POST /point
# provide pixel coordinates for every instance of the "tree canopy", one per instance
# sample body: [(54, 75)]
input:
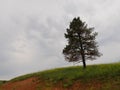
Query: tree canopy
[(81, 42)]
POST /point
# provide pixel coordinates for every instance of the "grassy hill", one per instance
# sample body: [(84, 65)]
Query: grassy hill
[(94, 77)]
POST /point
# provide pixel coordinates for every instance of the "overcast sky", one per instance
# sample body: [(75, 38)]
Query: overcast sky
[(32, 32)]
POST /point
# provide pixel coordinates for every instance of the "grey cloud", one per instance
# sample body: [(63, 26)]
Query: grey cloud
[(32, 32)]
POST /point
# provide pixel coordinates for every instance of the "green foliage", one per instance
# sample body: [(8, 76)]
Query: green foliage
[(81, 42)]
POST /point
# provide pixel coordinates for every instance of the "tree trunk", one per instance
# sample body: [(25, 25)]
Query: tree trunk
[(82, 51), (83, 60)]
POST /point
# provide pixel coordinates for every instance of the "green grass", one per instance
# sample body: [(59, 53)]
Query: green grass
[(69, 74), (2, 82), (106, 74)]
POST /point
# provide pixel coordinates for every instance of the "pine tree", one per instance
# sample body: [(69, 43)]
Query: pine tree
[(81, 43)]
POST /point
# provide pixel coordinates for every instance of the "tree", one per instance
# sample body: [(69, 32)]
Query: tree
[(81, 42)]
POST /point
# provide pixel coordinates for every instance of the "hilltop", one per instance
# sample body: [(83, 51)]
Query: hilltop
[(94, 77)]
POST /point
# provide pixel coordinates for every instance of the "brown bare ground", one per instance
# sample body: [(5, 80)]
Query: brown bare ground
[(35, 84), (30, 84)]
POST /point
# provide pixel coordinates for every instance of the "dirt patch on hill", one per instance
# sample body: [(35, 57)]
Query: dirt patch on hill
[(35, 84), (30, 84)]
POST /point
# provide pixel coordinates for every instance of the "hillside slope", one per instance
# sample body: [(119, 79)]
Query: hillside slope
[(94, 77)]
